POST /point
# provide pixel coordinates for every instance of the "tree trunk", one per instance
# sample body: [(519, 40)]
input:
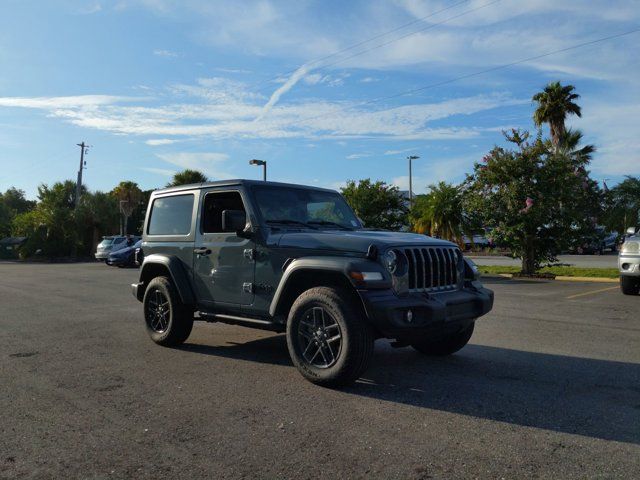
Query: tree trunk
[(529, 257)]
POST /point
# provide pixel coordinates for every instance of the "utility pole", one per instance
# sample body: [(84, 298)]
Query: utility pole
[(410, 158), (83, 149)]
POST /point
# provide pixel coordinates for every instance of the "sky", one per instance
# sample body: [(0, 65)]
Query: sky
[(324, 91)]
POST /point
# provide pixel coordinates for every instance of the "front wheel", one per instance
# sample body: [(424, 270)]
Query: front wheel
[(168, 320), (445, 346), (630, 285), (328, 338)]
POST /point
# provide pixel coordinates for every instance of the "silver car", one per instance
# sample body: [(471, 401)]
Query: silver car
[(629, 263), (111, 244)]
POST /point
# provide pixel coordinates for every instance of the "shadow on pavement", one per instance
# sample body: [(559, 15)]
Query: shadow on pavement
[(595, 398)]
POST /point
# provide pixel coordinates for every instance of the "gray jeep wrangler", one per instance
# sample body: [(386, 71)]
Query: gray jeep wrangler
[(296, 259)]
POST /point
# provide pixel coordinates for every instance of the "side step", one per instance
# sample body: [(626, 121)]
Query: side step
[(242, 321)]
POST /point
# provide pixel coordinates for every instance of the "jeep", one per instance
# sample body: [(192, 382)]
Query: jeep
[(296, 259), (629, 263)]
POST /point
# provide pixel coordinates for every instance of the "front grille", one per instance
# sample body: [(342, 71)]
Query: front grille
[(433, 268)]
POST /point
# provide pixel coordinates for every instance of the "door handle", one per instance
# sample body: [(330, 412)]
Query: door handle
[(202, 251)]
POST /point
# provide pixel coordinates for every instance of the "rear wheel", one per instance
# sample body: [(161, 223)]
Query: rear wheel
[(328, 338), (168, 320), (630, 285), (445, 346)]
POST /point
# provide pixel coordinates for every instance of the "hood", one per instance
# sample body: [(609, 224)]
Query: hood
[(354, 241)]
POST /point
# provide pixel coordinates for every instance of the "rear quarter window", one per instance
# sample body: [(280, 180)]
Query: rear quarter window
[(171, 215)]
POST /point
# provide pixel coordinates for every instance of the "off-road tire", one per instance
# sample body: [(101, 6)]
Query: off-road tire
[(179, 317), (445, 346), (630, 285), (357, 339)]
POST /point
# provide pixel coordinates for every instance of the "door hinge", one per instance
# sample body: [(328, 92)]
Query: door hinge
[(249, 254), (247, 287)]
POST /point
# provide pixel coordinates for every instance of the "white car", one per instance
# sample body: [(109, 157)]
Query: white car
[(112, 244), (629, 263)]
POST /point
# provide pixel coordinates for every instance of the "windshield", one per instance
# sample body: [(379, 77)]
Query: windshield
[(304, 207), (105, 242)]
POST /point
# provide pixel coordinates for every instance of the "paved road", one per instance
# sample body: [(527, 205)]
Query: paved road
[(548, 388), (609, 260)]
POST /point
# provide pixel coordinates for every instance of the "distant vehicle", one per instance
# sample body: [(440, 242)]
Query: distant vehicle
[(476, 241), (597, 243), (629, 263), (125, 257), (112, 244)]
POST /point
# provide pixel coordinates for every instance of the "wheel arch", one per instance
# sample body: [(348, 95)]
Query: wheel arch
[(305, 273), (168, 266)]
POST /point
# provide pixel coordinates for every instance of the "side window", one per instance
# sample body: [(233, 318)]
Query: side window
[(213, 206), (171, 215)]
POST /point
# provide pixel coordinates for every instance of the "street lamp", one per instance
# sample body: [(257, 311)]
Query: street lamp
[(410, 158), (264, 167)]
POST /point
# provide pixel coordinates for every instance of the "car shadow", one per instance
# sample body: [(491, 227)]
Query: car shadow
[(582, 396)]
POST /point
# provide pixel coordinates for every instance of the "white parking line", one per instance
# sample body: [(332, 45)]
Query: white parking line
[(592, 291)]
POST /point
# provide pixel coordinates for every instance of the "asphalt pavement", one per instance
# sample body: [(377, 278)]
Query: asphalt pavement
[(549, 387), (608, 260)]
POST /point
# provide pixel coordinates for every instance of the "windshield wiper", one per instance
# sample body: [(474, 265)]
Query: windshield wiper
[(287, 221), (333, 224)]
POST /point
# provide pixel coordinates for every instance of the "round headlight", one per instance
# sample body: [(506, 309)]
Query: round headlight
[(631, 247), (391, 261)]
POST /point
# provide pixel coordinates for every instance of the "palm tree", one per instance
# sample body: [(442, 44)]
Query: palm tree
[(440, 212), (187, 177), (555, 102), (129, 196), (569, 144)]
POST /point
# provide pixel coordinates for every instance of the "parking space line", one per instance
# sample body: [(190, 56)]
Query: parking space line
[(592, 291)]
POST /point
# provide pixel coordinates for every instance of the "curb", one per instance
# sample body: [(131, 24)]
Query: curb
[(559, 278)]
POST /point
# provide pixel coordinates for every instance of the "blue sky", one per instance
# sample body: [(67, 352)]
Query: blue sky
[(156, 86)]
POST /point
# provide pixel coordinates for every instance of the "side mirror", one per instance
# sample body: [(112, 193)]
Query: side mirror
[(631, 230), (233, 221)]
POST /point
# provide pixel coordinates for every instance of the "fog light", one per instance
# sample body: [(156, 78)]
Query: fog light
[(625, 266), (409, 316)]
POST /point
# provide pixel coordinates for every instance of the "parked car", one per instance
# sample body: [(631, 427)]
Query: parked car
[(125, 257), (112, 244), (296, 259), (476, 241), (597, 243), (629, 263)]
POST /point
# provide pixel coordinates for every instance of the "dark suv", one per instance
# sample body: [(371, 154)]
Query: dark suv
[(296, 259)]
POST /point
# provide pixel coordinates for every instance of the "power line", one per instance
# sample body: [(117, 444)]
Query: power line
[(470, 75), (428, 27), (370, 39)]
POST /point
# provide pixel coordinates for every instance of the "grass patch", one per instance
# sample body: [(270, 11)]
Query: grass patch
[(559, 271)]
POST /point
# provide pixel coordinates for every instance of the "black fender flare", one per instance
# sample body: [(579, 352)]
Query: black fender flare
[(341, 265), (176, 270)]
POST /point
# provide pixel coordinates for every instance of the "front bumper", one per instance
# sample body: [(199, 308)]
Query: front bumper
[(629, 265), (432, 314), (102, 255)]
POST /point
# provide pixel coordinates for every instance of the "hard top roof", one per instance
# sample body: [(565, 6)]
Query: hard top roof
[(236, 182)]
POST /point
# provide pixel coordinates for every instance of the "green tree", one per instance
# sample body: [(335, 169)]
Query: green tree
[(186, 177), (377, 204), (12, 202), (129, 196), (99, 215), (555, 103), (538, 200), (622, 205), (52, 226), (440, 212)]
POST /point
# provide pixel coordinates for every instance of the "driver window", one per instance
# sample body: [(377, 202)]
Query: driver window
[(213, 206)]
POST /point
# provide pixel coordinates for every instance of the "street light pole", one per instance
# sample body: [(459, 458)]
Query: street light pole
[(255, 161), (410, 158)]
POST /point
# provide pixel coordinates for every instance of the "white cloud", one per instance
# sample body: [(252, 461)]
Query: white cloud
[(165, 53), (48, 103), (159, 171), (160, 141), (399, 152), (354, 156), (210, 163)]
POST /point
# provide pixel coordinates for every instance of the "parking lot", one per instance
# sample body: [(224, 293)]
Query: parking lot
[(548, 388)]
